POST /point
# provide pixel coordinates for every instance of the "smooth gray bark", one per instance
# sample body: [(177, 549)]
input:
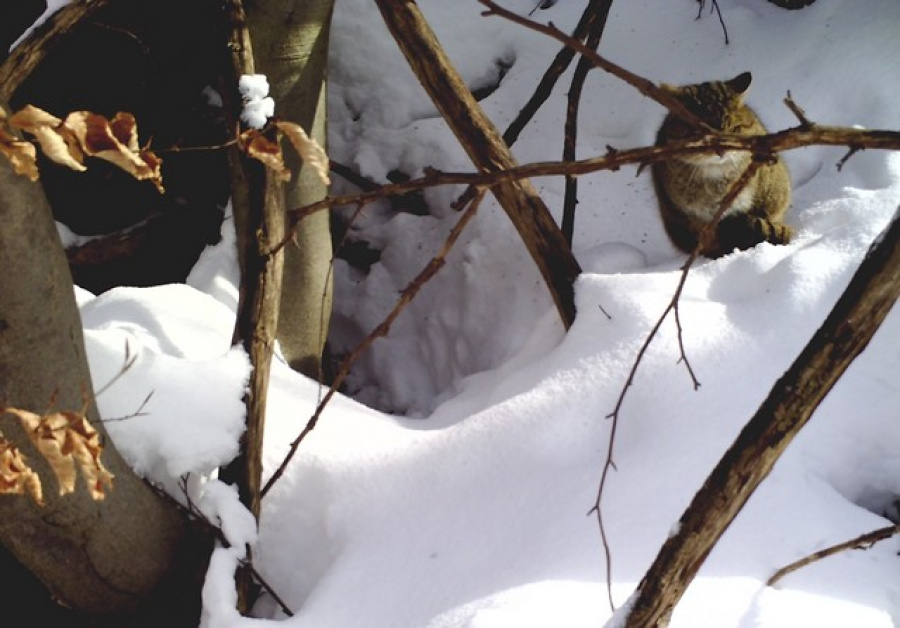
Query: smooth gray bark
[(97, 557), (290, 46)]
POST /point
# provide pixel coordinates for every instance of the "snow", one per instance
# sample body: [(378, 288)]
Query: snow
[(258, 106), (454, 490), (52, 7)]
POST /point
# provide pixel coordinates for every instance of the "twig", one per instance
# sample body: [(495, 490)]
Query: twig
[(644, 86), (798, 112), (843, 160), (863, 541), (406, 297), (600, 9), (551, 75), (714, 8), (135, 414), (672, 306), (190, 510)]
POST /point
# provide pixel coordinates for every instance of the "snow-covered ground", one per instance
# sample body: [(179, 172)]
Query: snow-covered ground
[(468, 506)]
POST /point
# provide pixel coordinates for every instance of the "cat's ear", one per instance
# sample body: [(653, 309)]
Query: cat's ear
[(740, 83)]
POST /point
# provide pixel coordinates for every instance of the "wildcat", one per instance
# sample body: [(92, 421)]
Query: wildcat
[(690, 187)]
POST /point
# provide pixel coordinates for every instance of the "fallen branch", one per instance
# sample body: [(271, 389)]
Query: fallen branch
[(856, 316), (863, 541)]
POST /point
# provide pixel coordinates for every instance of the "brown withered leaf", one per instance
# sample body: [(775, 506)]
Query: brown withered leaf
[(22, 155), (261, 148), (308, 149), (115, 142), (16, 477), (67, 440), (56, 140)]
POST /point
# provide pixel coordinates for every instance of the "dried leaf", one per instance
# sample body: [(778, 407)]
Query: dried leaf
[(124, 129), (67, 440), (308, 149), (55, 138), (22, 155), (16, 477), (261, 148), (115, 142)]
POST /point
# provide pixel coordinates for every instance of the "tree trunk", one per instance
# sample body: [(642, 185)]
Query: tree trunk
[(290, 46), (99, 558)]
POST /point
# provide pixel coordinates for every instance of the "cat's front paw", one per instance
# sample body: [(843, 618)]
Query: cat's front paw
[(743, 231)]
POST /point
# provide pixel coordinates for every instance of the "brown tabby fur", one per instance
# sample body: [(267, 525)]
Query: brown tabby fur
[(691, 187)]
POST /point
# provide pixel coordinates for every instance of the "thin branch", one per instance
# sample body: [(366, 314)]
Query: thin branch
[(863, 541), (551, 75), (714, 9), (644, 86), (788, 139), (193, 513), (798, 112), (600, 9), (672, 306), (382, 330)]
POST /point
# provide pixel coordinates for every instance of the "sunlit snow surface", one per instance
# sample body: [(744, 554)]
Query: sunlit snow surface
[(474, 514)]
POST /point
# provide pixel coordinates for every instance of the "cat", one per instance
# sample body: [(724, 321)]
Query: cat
[(691, 187)]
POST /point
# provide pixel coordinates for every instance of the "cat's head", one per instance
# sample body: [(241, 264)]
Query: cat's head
[(718, 103)]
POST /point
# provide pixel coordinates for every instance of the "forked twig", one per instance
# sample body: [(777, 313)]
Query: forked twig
[(644, 86), (672, 307)]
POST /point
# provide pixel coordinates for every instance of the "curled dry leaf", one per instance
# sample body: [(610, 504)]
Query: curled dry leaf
[(67, 440), (22, 155), (308, 148), (116, 142), (261, 148), (56, 140), (16, 477)]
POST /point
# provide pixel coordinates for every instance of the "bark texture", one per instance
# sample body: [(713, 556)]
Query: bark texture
[(487, 150), (290, 46), (104, 558)]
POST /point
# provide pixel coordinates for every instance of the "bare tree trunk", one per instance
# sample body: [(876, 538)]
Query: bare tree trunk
[(106, 558), (844, 335), (290, 46)]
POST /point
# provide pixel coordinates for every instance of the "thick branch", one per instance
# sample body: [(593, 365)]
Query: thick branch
[(487, 150), (844, 335), (30, 53)]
